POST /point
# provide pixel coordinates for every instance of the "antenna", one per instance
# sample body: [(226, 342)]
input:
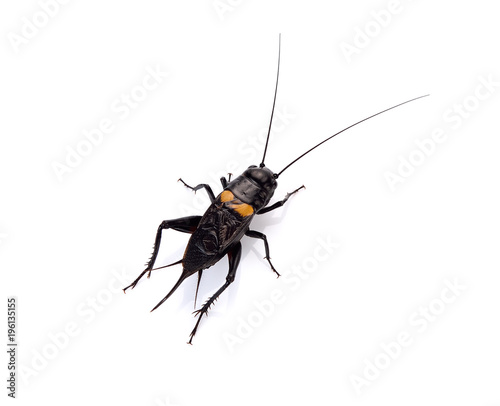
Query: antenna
[(352, 125), (274, 102)]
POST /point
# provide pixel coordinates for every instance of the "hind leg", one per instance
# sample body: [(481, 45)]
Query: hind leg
[(183, 224), (234, 259)]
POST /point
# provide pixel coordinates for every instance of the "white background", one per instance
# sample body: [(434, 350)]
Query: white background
[(62, 243)]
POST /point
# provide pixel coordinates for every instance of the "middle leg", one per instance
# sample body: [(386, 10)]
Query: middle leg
[(256, 234), (200, 186)]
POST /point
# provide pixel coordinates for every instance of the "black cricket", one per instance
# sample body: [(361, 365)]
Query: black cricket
[(218, 232)]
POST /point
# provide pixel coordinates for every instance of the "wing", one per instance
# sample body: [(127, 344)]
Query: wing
[(224, 222)]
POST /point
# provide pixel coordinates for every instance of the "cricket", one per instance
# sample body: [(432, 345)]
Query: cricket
[(218, 232)]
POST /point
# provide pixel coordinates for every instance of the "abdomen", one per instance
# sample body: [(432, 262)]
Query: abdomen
[(224, 223)]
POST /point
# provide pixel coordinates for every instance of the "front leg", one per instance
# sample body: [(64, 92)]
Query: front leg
[(225, 181), (280, 203)]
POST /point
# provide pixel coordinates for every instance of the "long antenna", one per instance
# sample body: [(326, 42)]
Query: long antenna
[(274, 102), (352, 125)]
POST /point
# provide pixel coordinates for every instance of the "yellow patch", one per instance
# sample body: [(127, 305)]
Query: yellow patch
[(243, 209), (226, 196)]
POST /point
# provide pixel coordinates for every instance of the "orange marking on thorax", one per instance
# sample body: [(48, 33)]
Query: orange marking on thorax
[(226, 196), (243, 209)]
